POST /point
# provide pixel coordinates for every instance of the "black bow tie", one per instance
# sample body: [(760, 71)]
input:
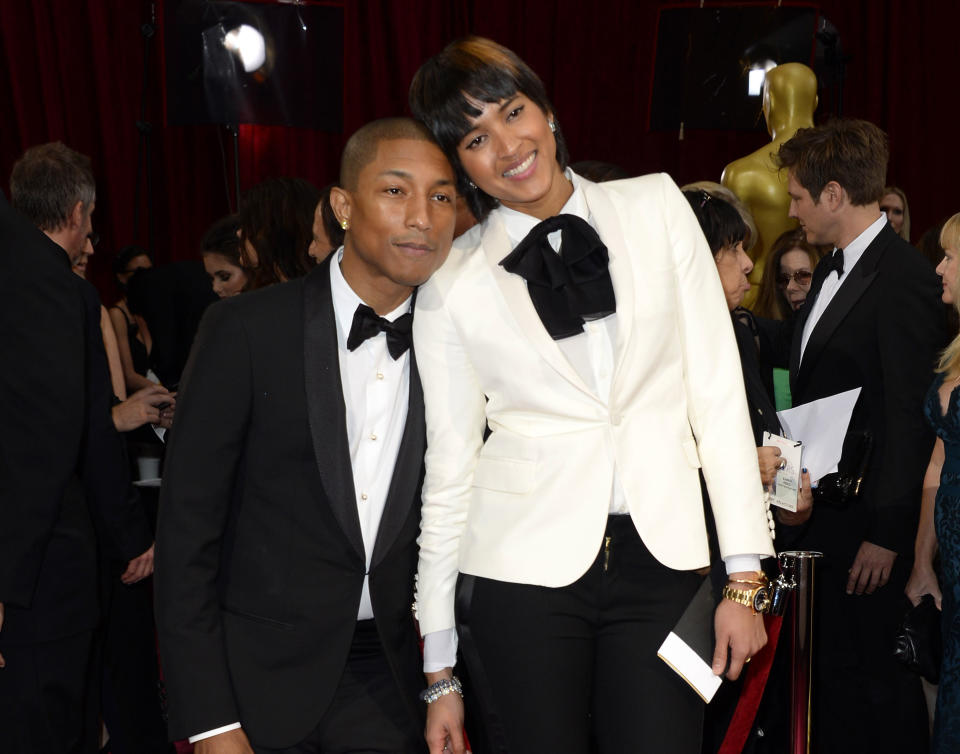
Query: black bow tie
[(835, 262), (569, 287), (367, 323)]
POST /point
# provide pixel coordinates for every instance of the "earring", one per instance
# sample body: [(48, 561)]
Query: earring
[(553, 126), (472, 185), (344, 225)]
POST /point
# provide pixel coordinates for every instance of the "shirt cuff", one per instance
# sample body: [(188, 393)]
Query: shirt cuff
[(439, 650), (214, 732), (738, 563)]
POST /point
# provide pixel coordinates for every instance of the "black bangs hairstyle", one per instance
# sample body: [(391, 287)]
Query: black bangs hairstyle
[(478, 69), (719, 220)]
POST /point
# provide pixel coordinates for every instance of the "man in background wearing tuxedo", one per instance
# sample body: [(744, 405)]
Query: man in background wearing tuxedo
[(290, 505), (63, 474), (873, 320)]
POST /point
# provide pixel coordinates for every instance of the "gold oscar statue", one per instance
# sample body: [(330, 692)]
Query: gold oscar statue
[(789, 99)]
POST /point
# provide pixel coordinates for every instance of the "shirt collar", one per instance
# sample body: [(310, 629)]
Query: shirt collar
[(346, 301), (518, 224), (854, 250)]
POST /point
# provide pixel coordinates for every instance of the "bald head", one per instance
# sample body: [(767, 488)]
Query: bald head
[(361, 148)]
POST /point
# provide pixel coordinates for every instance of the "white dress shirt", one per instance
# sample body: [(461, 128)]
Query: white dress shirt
[(376, 390), (591, 354), (851, 255)]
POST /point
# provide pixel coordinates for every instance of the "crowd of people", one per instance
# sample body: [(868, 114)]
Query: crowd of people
[(525, 397)]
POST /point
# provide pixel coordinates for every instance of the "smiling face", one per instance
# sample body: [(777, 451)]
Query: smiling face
[(400, 217), (892, 206), (511, 154), (733, 265), (227, 278), (795, 264), (947, 270)]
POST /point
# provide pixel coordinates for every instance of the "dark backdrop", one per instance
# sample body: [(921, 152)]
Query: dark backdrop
[(74, 71)]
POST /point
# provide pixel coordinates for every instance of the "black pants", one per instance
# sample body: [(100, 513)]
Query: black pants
[(367, 715), (553, 668), (48, 700)]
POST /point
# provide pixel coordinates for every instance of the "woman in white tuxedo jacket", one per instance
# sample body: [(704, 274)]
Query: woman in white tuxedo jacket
[(562, 550)]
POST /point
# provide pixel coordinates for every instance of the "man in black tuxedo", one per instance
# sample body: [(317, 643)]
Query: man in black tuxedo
[(872, 320), (62, 469), (290, 504)]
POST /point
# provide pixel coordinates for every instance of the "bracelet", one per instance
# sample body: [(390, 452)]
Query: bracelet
[(441, 688), (747, 581)]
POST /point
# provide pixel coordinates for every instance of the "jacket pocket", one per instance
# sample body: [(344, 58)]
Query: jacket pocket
[(257, 618), (504, 474)]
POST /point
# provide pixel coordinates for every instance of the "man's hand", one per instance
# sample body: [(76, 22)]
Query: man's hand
[(444, 731), (138, 568), (739, 633), (923, 581), (3, 663), (871, 568), (143, 407), (804, 504), (769, 458), (232, 742)]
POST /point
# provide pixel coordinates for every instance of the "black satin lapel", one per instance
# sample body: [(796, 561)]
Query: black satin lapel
[(407, 472), (325, 406), (842, 302)]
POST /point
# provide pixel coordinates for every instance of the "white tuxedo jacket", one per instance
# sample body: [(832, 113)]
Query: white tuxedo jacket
[(530, 505)]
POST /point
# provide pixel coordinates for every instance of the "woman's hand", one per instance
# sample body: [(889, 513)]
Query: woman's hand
[(804, 504), (923, 581), (769, 458)]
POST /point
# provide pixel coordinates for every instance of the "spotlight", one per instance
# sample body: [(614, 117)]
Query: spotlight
[(756, 76), (247, 44)]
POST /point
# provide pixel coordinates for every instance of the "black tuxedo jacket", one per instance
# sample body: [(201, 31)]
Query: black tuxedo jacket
[(260, 560), (881, 331), (61, 459)]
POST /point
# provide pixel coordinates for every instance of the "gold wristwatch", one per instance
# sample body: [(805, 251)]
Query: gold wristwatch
[(757, 597)]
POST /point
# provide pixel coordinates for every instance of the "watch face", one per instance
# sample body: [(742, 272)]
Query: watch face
[(761, 600)]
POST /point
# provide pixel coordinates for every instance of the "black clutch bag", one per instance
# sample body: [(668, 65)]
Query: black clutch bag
[(918, 643), (842, 488)]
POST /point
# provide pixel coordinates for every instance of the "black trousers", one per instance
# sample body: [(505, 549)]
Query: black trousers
[(367, 715), (48, 700), (554, 668)]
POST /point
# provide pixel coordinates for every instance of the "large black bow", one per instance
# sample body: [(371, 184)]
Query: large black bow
[(834, 262), (569, 287), (367, 323)]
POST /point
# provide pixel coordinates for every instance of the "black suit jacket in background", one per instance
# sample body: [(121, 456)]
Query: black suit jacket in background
[(882, 331), (60, 456), (260, 559)]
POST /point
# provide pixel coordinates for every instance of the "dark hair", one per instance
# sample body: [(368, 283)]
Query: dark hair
[(473, 68), (276, 217), (221, 238), (330, 225), (771, 302), (854, 153), (599, 172), (361, 147), (126, 255), (47, 182), (719, 220)]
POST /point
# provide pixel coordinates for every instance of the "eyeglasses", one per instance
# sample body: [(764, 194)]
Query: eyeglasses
[(800, 277), (93, 238)]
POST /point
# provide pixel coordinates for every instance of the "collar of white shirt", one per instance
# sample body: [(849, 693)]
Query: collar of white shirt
[(518, 224), (346, 301), (854, 250)]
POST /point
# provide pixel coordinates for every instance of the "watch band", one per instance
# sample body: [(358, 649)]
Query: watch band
[(757, 599)]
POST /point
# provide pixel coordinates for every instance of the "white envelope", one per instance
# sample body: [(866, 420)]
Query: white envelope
[(821, 426)]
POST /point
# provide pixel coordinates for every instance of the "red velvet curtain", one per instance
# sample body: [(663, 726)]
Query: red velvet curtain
[(74, 71)]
